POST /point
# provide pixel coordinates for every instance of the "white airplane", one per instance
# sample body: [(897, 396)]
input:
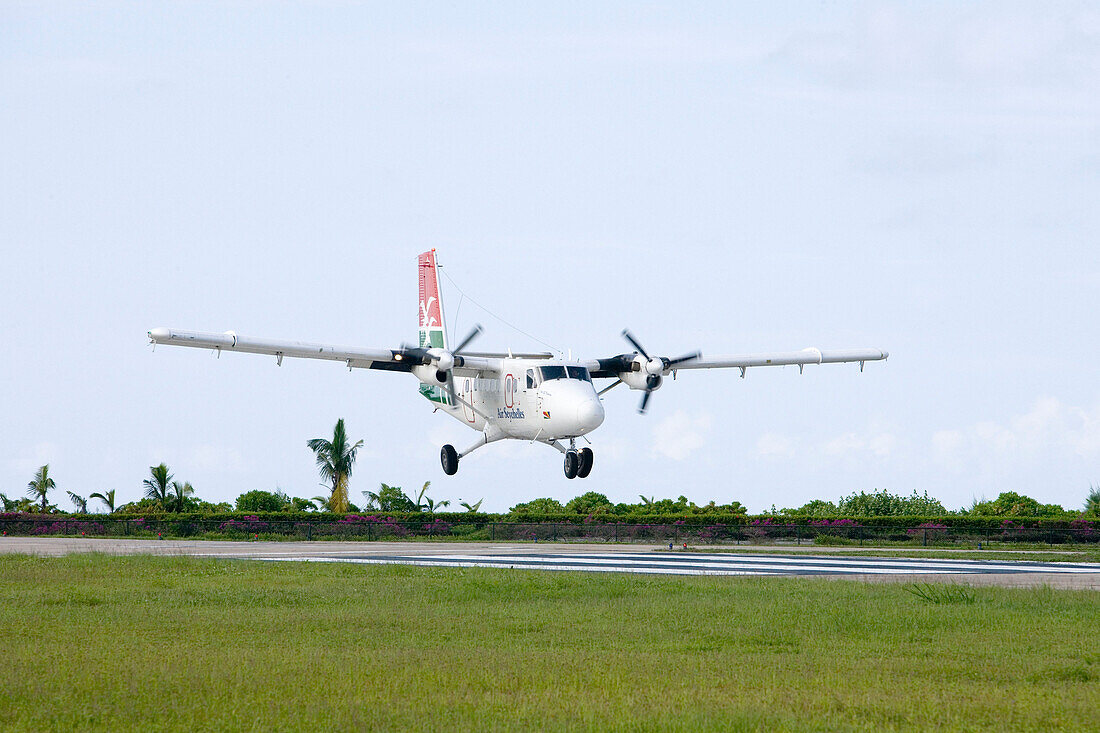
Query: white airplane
[(534, 397)]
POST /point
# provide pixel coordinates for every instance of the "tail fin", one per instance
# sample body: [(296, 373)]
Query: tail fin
[(433, 330)]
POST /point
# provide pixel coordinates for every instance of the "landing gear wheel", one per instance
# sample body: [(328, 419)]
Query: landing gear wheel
[(586, 463), (448, 456), (572, 463)]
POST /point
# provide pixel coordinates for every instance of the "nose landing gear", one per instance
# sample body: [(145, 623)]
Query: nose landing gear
[(585, 468), (578, 463), (572, 464)]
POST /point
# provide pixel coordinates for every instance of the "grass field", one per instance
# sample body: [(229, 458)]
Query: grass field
[(154, 643)]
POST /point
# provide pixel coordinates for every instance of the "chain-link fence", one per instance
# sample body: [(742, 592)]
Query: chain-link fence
[(370, 528)]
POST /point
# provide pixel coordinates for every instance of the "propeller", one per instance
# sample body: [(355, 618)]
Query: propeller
[(443, 359), (653, 366), (446, 361)]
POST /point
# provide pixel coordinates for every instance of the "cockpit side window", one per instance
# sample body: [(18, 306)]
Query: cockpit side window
[(552, 372), (577, 372), (531, 380)]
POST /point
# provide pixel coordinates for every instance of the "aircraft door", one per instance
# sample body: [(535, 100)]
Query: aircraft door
[(530, 390), (467, 394)]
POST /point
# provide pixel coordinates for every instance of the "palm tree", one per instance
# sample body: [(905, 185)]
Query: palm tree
[(472, 507), (1092, 504), (41, 484), (156, 488), (108, 498), (335, 459), (433, 505), (79, 502), (182, 493), (421, 505)]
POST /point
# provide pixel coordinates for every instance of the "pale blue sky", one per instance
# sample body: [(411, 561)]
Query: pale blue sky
[(916, 177)]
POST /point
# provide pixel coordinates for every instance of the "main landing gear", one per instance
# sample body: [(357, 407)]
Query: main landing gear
[(578, 463), (448, 456)]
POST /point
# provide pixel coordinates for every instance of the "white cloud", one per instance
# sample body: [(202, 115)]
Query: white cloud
[(773, 445), (854, 445), (1048, 430), (680, 434)]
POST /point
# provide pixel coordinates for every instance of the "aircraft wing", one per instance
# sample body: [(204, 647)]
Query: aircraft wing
[(787, 358), (616, 366), (394, 360)]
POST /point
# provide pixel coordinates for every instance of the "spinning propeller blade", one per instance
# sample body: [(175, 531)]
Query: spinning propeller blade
[(634, 342), (653, 381), (473, 334)]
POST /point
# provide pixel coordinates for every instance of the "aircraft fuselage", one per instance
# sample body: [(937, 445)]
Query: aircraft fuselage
[(530, 399)]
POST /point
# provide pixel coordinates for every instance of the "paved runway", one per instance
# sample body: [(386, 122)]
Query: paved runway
[(683, 563), (593, 558)]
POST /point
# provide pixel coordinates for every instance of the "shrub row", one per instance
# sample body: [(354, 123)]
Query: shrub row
[(954, 522)]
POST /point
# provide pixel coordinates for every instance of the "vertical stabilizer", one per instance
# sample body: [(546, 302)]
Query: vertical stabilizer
[(433, 331)]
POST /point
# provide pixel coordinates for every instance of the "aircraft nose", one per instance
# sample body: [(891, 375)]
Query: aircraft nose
[(590, 414)]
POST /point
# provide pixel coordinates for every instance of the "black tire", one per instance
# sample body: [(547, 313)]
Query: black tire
[(448, 456), (586, 463), (572, 463)]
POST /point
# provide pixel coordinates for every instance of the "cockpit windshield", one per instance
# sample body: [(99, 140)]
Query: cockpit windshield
[(547, 373), (552, 372), (578, 373)]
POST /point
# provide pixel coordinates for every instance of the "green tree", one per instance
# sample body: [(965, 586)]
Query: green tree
[(1092, 503), (389, 499), (734, 507), (426, 502), (1009, 503), (298, 504), (40, 486), (471, 507), (884, 504), (157, 487), (181, 498), (545, 505), (589, 503), (815, 508), (107, 497), (335, 459), (262, 501), (433, 504), (79, 502), (668, 506), (25, 505)]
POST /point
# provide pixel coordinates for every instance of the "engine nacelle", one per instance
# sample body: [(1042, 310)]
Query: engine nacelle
[(444, 360), (641, 380), (429, 374)]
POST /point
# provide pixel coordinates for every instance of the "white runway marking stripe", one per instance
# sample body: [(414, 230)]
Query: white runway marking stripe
[(702, 564), (515, 565)]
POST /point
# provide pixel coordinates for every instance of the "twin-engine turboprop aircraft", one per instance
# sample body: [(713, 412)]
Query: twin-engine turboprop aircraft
[(534, 397)]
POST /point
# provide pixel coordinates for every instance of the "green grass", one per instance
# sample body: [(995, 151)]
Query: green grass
[(155, 643)]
